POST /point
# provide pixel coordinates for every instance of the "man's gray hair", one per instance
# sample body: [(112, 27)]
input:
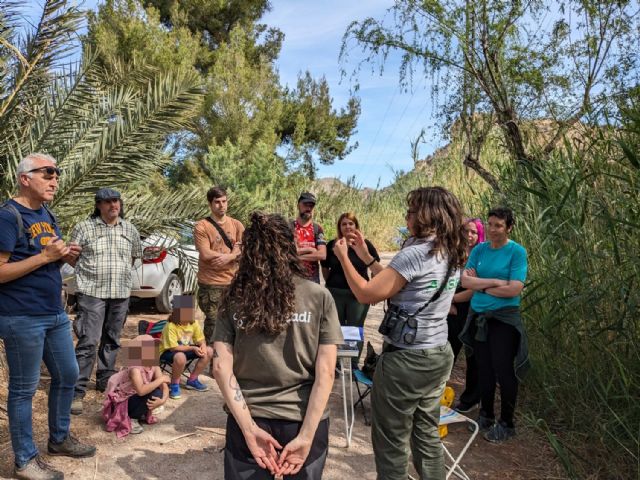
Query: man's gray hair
[(26, 163)]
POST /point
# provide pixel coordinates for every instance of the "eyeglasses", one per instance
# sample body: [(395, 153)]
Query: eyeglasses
[(47, 171), (111, 200), (411, 212)]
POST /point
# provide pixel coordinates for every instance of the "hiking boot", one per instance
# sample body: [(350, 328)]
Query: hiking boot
[(37, 469), (136, 428), (484, 423), (174, 391), (500, 433), (76, 406), (195, 384), (462, 407), (71, 447)]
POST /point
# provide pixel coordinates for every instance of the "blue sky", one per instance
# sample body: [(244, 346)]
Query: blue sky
[(390, 117)]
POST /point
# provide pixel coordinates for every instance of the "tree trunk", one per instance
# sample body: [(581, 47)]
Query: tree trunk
[(474, 164)]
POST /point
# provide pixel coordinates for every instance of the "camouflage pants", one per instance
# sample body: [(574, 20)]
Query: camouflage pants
[(208, 299)]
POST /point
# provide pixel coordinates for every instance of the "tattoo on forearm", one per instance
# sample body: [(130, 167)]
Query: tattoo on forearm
[(237, 395)]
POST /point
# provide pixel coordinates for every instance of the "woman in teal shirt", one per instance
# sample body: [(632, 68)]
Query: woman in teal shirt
[(496, 271)]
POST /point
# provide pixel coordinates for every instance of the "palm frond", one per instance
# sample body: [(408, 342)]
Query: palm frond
[(35, 55), (113, 138)]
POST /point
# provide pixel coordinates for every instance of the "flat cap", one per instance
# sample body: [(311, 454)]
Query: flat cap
[(106, 194)]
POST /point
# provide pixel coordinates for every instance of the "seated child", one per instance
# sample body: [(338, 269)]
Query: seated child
[(182, 340), (135, 391)]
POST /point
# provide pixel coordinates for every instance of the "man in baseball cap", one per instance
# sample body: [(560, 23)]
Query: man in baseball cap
[(312, 247)]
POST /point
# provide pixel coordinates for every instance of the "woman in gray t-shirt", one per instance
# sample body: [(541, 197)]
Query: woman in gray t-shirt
[(412, 371)]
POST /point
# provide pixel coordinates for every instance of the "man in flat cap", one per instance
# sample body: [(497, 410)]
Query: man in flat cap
[(110, 244), (309, 236)]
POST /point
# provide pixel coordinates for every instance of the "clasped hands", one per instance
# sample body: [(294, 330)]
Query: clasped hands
[(264, 448), (200, 350)]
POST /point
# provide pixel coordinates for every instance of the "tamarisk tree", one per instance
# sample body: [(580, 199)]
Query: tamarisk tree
[(505, 63)]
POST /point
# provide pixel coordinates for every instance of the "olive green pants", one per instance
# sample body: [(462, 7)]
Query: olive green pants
[(405, 404), (351, 313), (208, 299)]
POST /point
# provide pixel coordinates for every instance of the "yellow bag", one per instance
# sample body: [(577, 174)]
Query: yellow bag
[(447, 400)]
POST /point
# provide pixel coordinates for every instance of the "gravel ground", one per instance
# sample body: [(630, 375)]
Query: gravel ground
[(159, 453)]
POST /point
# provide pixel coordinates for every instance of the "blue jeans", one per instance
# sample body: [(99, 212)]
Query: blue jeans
[(28, 339)]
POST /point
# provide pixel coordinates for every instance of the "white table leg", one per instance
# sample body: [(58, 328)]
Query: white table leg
[(347, 402)]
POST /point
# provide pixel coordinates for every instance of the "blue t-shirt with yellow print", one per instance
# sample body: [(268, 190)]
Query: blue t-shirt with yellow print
[(38, 292), (508, 262)]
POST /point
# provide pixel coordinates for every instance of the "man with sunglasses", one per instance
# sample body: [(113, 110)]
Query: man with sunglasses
[(110, 245), (33, 323)]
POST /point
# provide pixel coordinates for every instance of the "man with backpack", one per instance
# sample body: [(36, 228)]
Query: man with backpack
[(110, 244), (309, 236), (217, 238), (33, 324)]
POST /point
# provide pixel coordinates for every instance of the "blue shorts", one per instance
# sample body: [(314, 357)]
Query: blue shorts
[(167, 356)]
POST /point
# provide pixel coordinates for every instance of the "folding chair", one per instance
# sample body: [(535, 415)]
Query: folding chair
[(361, 379), (155, 330), (447, 417)]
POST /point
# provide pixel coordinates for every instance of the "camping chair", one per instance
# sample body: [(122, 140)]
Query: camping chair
[(447, 417), (364, 382), (155, 330)]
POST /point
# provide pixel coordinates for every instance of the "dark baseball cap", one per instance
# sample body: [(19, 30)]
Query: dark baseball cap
[(106, 194), (306, 197)]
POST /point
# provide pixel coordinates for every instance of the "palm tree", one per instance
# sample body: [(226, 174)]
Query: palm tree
[(101, 133)]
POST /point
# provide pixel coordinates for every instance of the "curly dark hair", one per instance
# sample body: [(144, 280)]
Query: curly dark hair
[(263, 291), (439, 213), (503, 213)]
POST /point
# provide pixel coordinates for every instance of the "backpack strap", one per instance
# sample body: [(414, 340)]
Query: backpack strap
[(22, 232), (54, 219), (221, 232), (436, 295)]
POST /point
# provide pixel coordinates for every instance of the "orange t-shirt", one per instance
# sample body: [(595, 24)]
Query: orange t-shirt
[(206, 236)]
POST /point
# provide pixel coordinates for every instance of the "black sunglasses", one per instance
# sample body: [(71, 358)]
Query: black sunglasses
[(47, 170)]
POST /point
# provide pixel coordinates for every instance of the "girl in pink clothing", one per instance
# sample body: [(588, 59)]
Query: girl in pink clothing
[(136, 390)]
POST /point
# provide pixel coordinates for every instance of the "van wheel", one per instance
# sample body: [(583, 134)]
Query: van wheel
[(172, 288)]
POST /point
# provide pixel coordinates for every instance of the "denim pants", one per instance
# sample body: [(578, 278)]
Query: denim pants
[(29, 339)]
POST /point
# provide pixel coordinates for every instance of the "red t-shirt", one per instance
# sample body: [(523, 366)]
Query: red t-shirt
[(308, 236)]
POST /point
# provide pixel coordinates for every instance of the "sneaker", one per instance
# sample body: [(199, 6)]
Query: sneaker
[(500, 433), (174, 390), (37, 469), (485, 423), (462, 407), (76, 406), (196, 385), (136, 427), (71, 447)]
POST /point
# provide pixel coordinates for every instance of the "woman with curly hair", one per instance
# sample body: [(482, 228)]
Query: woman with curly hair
[(274, 359), (411, 374)]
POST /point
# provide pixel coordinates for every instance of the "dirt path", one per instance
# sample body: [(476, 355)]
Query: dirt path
[(156, 453)]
